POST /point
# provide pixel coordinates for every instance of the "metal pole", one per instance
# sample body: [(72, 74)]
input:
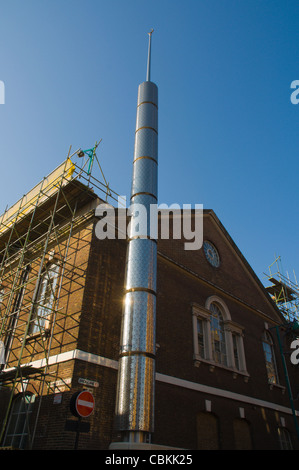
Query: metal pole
[(136, 377), (148, 73), (77, 433)]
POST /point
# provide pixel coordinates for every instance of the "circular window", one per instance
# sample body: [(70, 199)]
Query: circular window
[(211, 254)]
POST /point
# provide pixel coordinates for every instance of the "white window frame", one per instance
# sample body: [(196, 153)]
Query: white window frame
[(267, 340), (43, 309), (230, 328), (17, 431), (284, 436), (217, 319)]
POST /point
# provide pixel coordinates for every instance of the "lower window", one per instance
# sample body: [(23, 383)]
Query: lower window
[(17, 431)]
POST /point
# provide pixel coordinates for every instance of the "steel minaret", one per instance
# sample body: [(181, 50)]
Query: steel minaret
[(136, 373)]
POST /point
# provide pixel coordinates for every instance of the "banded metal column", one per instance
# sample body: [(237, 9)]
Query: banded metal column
[(136, 375)]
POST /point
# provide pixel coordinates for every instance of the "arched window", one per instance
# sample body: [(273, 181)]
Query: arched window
[(45, 299), (207, 431), (284, 439), (17, 431), (217, 339), (218, 335), (242, 434), (270, 358)]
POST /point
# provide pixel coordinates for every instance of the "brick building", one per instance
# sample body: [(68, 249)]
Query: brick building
[(179, 349), (220, 378)]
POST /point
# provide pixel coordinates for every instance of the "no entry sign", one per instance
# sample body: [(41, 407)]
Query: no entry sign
[(82, 404)]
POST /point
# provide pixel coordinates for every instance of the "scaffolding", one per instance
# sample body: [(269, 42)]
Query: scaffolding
[(283, 291), (38, 264)]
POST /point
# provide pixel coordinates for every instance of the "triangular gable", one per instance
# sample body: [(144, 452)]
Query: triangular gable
[(234, 277)]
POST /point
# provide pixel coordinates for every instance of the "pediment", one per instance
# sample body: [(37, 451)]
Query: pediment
[(233, 277)]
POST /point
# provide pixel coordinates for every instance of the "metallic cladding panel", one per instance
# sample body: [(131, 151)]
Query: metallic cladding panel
[(139, 323), (144, 177), (146, 135), (136, 377), (143, 199), (147, 91), (140, 223), (141, 264), (146, 144), (136, 393), (147, 116)]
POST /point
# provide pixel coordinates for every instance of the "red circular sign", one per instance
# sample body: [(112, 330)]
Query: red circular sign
[(84, 404)]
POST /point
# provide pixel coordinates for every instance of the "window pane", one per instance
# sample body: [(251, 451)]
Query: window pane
[(284, 439), (269, 359), (45, 298), (17, 430), (200, 338), (236, 354), (218, 336)]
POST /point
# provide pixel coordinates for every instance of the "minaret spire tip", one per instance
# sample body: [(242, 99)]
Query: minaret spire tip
[(148, 74)]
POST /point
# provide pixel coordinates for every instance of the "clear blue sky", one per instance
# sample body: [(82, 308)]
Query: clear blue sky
[(228, 132)]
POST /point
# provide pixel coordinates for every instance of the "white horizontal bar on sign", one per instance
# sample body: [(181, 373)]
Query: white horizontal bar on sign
[(88, 404)]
